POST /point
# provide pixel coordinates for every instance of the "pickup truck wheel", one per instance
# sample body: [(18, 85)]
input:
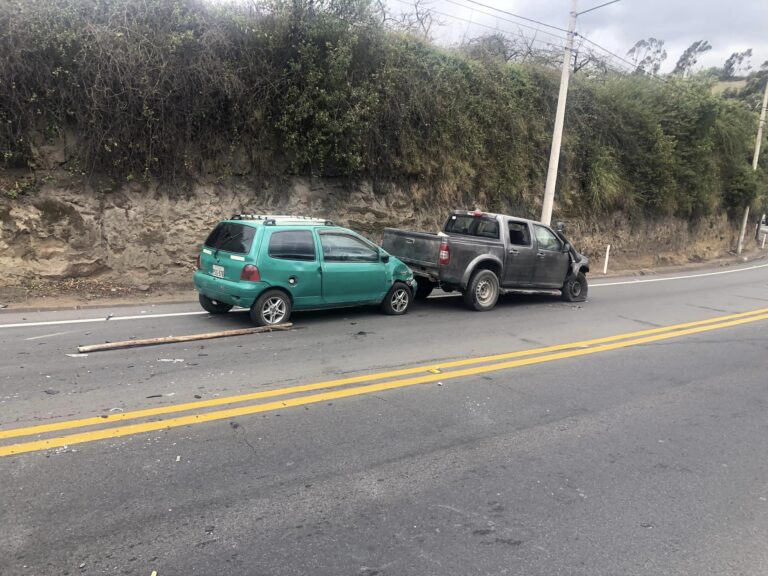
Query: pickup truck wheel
[(424, 288), (214, 306), (271, 308), (483, 291), (575, 288), (398, 300)]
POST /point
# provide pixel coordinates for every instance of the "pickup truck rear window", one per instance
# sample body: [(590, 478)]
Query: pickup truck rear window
[(518, 234), (231, 237), (469, 225)]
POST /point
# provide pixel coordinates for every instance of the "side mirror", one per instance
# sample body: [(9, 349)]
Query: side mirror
[(384, 257), (566, 247)]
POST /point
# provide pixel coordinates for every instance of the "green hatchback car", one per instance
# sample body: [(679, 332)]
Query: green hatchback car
[(276, 264)]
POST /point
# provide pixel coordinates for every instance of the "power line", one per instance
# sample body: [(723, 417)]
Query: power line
[(509, 33), (539, 22), (506, 20), (634, 67), (503, 31), (596, 45), (498, 29)]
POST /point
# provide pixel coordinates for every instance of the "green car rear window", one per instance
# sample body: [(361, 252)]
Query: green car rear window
[(231, 237)]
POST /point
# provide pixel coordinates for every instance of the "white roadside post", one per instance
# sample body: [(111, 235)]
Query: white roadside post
[(557, 132), (607, 255)]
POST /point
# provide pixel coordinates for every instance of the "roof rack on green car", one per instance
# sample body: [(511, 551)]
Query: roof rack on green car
[(282, 220)]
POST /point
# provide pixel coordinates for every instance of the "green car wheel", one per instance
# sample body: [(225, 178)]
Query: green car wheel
[(271, 308), (398, 299)]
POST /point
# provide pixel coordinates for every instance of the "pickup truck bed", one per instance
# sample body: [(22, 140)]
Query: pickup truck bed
[(421, 251)]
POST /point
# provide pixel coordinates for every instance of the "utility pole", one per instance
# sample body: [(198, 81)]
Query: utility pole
[(557, 133), (755, 158)]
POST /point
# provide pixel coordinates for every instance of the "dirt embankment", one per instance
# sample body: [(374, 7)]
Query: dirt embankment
[(100, 239)]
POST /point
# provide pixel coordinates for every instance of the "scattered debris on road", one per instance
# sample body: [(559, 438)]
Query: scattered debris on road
[(175, 339)]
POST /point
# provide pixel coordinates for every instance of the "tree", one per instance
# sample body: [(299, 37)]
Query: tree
[(494, 47), (690, 57), (737, 64), (420, 21), (648, 55)]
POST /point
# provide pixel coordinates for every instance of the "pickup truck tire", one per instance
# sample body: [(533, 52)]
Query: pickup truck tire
[(271, 308), (575, 288), (214, 306), (482, 291), (398, 300), (424, 289)]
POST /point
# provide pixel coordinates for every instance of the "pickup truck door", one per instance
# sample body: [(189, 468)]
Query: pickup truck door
[(551, 262), (520, 259)]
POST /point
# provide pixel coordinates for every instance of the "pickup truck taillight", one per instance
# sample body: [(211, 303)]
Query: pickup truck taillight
[(445, 252), (250, 273)]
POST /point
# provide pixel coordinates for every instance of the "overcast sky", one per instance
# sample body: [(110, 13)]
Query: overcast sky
[(728, 25)]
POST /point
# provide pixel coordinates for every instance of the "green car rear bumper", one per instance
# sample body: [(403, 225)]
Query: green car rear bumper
[(238, 293)]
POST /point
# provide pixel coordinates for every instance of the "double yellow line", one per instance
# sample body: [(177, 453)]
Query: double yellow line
[(340, 388)]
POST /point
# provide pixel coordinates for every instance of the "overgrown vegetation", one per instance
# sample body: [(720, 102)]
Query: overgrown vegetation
[(172, 88)]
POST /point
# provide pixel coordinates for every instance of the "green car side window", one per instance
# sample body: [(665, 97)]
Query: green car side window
[(292, 245), (346, 248)]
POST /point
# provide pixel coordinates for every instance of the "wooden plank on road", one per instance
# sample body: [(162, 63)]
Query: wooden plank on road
[(175, 339)]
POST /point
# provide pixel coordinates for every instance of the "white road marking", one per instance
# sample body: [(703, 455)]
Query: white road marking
[(679, 277), (112, 319), (174, 314), (48, 335)]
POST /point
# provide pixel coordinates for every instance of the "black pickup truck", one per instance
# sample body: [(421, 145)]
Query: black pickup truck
[(483, 255)]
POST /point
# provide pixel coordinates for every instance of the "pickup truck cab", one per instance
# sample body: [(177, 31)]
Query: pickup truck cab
[(483, 255)]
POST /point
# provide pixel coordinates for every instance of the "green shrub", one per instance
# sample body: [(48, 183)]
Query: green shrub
[(172, 88)]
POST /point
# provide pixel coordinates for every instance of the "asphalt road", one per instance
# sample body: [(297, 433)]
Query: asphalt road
[(625, 435)]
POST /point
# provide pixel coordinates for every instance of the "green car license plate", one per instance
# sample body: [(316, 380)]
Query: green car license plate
[(218, 271)]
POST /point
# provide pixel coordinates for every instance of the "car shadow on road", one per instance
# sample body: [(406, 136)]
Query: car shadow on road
[(439, 304)]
